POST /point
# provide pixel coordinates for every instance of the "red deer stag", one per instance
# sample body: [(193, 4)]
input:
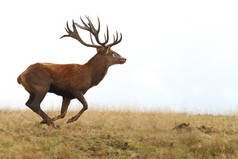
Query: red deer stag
[(70, 80)]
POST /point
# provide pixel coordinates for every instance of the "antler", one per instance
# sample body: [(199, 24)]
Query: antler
[(95, 32)]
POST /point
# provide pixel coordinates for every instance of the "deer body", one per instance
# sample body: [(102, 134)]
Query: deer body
[(69, 80), (62, 79)]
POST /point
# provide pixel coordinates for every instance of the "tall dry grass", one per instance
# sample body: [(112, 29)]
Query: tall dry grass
[(110, 134)]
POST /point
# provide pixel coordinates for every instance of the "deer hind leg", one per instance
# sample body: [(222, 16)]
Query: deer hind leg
[(30, 100), (64, 108), (34, 104), (80, 97)]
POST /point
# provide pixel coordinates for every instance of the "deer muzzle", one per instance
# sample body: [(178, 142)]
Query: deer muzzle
[(122, 60)]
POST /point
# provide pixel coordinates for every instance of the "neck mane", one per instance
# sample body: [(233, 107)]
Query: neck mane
[(98, 69)]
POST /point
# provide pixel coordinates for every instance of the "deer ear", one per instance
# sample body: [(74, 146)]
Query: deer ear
[(100, 50), (108, 50), (103, 50)]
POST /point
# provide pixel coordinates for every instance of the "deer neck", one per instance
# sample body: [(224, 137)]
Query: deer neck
[(97, 68)]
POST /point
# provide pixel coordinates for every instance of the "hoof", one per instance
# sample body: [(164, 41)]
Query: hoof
[(55, 126), (43, 122), (70, 120), (50, 123)]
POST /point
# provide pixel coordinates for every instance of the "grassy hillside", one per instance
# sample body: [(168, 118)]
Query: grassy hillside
[(106, 134)]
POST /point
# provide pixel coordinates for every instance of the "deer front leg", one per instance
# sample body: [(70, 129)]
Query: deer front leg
[(80, 97), (64, 108)]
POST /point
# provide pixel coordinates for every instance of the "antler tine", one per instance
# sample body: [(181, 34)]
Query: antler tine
[(85, 27), (98, 24), (91, 38), (116, 39), (91, 26), (67, 29), (119, 39), (83, 22), (106, 36)]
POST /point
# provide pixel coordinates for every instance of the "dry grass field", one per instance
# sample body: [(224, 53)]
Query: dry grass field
[(122, 135)]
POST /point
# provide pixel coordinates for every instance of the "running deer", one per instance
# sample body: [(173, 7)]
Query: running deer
[(70, 80)]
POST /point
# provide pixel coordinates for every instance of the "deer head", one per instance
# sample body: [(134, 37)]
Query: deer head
[(103, 48)]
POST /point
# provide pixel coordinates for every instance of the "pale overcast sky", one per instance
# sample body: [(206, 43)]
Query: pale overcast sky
[(181, 55)]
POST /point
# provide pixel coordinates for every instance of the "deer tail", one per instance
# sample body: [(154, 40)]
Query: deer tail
[(19, 79)]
